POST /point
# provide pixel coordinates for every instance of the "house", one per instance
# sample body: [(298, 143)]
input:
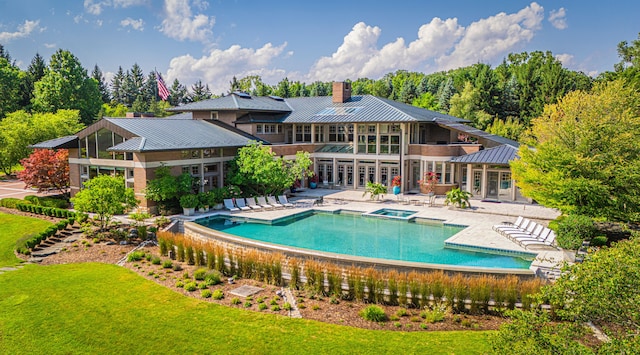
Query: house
[(352, 139)]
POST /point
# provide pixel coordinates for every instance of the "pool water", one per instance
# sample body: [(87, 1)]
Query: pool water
[(388, 212), (352, 234)]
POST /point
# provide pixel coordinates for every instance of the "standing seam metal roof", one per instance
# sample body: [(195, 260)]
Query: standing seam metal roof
[(500, 155), (153, 134)]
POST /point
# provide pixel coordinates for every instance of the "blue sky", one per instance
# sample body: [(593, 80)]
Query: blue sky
[(312, 40)]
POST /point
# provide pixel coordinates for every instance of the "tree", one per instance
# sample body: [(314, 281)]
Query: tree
[(11, 79), (283, 88), (46, 170), (178, 94), (35, 72), (465, 105), (118, 94), (167, 189), (200, 92), (259, 170), (584, 153), (96, 74), (106, 196), (66, 85), (426, 100), (20, 129), (509, 128)]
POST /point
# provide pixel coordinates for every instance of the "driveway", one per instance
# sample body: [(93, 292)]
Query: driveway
[(15, 188)]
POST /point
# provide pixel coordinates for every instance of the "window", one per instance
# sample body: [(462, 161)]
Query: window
[(319, 134), (208, 153), (191, 154), (259, 129), (337, 133), (303, 133), (268, 128), (214, 115)]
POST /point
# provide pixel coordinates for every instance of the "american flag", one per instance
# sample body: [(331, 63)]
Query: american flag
[(163, 92)]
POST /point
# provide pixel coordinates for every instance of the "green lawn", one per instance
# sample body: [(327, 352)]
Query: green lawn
[(12, 228), (105, 309)]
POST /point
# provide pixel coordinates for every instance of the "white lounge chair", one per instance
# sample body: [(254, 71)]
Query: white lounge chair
[(273, 202), (503, 229), (251, 202), (508, 225), (549, 241), (228, 204), (285, 202), (263, 202), (540, 237), (527, 233), (241, 205)]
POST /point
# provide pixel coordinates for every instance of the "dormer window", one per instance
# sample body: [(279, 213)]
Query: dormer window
[(214, 115)]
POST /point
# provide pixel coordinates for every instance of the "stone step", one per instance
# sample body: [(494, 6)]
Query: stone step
[(44, 252)]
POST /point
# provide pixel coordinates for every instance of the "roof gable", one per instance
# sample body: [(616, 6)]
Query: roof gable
[(500, 155)]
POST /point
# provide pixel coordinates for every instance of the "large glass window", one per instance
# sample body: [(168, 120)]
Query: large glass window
[(91, 146), (303, 133)]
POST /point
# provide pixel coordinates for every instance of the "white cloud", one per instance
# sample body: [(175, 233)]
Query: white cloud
[(558, 18), (219, 66), (179, 23), (137, 25), (96, 7), (491, 38), (567, 60), (50, 45), (441, 44), (24, 30)]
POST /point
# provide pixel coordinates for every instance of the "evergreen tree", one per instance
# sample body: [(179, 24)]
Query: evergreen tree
[(133, 83), (35, 72), (150, 89), (283, 89), (200, 92), (178, 94), (117, 87), (445, 92), (102, 86), (11, 82), (408, 93)]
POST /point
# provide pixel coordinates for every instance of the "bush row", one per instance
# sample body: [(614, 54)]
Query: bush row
[(47, 201), (460, 292), (25, 245), (46, 211)]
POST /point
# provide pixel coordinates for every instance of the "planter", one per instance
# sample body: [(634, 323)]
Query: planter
[(396, 190), (313, 185), (203, 209), (217, 206), (188, 211)]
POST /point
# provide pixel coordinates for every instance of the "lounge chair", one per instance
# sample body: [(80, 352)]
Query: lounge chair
[(534, 234), (549, 241), (517, 223), (532, 238), (263, 202), (504, 229), (251, 202), (241, 205), (273, 202), (228, 204), (283, 200)]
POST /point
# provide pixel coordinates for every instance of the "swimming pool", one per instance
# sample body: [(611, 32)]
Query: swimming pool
[(418, 240), (391, 213)]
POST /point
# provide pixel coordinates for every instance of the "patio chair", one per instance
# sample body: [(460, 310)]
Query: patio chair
[(228, 204), (241, 205), (548, 241), (535, 233), (263, 202), (532, 238), (273, 202), (517, 223), (503, 229), (283, 200), (251, 202)]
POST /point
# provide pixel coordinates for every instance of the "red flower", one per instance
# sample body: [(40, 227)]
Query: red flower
[(396, 181), (430, 180)]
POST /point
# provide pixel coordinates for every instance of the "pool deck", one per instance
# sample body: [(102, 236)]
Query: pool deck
[(480, 219)]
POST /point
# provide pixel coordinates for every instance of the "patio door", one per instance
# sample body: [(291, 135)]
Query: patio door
[(492, 184)]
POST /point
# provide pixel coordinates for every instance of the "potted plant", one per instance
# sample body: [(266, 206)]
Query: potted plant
[(188, 204), (203, 202), (313, 181), (375, 189), (395, 183), (428, 183), (215, 198), (458, 198)]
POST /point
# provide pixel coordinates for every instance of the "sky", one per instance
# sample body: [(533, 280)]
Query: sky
[(303, 40)]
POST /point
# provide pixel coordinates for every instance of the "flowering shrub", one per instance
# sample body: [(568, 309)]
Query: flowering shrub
[(429, 181), (396, 181)]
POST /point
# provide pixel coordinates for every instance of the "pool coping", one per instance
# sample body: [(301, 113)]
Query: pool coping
[(341, 258)]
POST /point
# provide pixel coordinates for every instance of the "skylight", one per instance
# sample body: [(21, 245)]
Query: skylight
[(339, 111), (241, 94)]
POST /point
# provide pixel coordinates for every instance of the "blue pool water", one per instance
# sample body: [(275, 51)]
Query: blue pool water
[(352, 234), (388, 212)]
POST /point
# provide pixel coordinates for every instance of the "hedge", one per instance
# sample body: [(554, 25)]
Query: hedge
[(25, 246)]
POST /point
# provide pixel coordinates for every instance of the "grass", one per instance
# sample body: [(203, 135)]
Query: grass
[(12, 228), (106, 309)]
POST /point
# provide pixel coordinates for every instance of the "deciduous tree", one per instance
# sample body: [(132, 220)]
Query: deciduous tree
[(46, 169), (106, 196), (584, 154)]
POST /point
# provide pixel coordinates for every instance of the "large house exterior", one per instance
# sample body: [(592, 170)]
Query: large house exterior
[(351, 140)]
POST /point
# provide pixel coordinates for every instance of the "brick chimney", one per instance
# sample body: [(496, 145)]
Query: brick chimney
[(341, 91)]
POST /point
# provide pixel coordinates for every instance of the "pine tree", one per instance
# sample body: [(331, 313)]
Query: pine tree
[(117, 88), (102, 86)]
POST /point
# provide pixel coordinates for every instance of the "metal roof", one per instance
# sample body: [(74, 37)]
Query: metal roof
[(154, 134), (57, 143), (478, 133), (500, 155), (236, 102), (359, 108)]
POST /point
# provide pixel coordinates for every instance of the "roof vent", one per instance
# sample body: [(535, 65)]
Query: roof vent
[(241, 94), (277, 98)]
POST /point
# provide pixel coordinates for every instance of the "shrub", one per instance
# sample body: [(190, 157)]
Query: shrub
[(155, 260), (202, 286), (167, 264), (179, 284), (235, 301), (262, 306), (135, 256), (574, 229), (374, 314), (212, 278), (206, 294), (402, 312), (217, 295), (191, 286), (200, 274), (287, 306), (177, 267), (434, 315), (10, 202), (247, 304), (275, 308), (599, 241), (190, 256)]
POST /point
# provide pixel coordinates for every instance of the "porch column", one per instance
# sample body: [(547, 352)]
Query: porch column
[(483, 186), (356, 174)]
